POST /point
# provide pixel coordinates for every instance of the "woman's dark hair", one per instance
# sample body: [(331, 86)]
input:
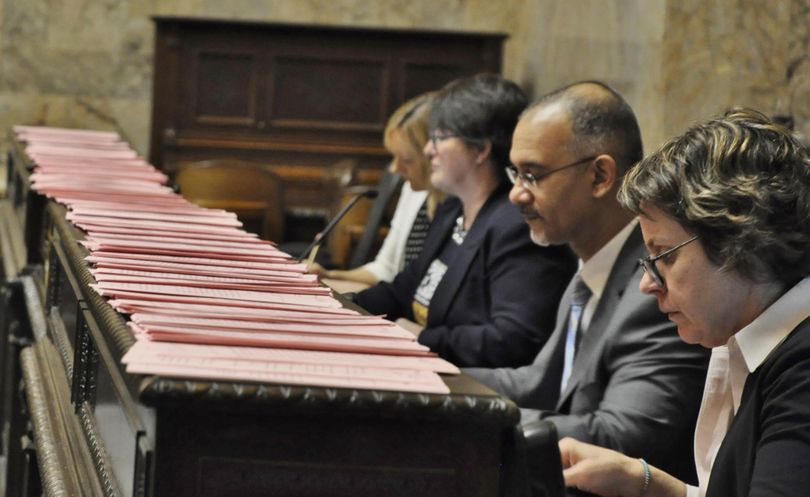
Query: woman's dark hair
[(481, 108)]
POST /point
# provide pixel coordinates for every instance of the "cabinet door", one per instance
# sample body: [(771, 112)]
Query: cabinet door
[(220, 85)]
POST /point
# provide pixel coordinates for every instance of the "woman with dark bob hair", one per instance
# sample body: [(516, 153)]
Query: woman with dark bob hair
[(725, 212), (480, 293)]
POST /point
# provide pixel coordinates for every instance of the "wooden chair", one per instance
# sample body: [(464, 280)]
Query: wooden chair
[(253, 193)]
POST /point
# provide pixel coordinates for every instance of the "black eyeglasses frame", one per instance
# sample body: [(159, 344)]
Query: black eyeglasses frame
[(529, 180), (648, 262)]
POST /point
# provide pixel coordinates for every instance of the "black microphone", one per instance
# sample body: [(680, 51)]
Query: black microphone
[(370, 194)]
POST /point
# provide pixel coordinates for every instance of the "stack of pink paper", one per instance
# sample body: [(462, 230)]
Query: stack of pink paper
[(205, 298)]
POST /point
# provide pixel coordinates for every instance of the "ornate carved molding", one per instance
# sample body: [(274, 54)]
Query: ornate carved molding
[(87, 366), (98, 452), (490, 409), (110, 322)]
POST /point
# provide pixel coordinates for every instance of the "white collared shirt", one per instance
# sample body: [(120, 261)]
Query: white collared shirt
[(596, 271), (730, 366)]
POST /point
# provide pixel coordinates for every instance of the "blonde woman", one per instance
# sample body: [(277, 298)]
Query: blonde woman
[(405, 136)]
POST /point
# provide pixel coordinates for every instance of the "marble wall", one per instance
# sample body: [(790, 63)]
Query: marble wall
[(727, 53), (798, 68), (619, 42), (88, 62)]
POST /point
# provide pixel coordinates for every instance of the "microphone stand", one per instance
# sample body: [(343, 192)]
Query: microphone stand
[(312, 249)]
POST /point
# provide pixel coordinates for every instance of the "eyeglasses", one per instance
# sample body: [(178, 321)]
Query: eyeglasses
[(530, 180), (648, 263)]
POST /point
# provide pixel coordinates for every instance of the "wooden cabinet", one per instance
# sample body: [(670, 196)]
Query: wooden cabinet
[(297, 98)]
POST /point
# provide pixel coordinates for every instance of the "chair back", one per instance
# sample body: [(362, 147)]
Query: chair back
[(389, 185), (252, 192)]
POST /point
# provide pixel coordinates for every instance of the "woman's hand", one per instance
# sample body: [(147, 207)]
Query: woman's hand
[(601, 471), (317, 269), (611, 474)]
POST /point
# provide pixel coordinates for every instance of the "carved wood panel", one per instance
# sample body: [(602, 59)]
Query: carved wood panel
[(298, 98)]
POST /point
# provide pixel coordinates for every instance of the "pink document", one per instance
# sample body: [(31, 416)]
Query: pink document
[(77, 162), (155, 198), (335, 376), (100, 188), (237, 243), (46, 151), (185, 249), (127, 210), (282, 340), (200, 269), (113, 289), (169, 310), (67, 197), (209, 283), (162, 322), (329, 365), (132, 231), (181, 270), (89, 222), (286, 265), (101, 172), (212, 219), (74, 134), (187, 275), (59, 143), (143, 349), (129, 302), (149, 206)]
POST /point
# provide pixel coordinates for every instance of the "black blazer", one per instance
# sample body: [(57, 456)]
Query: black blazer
[(766, 451), (496, 304)]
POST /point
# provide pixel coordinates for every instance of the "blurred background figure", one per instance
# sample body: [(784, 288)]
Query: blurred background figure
[(405, 136)]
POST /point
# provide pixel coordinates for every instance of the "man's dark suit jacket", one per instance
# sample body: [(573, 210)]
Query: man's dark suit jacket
[(635, 386), (766, 451), (497, 302)]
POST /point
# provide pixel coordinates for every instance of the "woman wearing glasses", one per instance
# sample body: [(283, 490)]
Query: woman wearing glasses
[(480, 293), (725, 212)]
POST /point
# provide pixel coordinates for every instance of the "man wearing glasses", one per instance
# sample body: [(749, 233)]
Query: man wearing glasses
[(614, 372)]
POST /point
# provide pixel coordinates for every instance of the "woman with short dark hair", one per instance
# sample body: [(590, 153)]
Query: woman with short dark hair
[(480, 293), (725, 212)]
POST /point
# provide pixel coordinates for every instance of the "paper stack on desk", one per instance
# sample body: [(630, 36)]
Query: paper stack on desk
[(205, 298)]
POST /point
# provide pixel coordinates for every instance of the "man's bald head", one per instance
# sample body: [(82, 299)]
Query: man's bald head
[(601, 121)]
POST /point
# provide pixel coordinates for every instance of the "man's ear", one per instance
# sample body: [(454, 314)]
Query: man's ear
[(605, 175)]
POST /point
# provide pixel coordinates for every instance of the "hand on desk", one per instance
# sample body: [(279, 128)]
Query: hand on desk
[(317, 269), (606, 472), (409, 325)]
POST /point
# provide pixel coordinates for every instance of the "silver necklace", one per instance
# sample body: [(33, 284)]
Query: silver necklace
[(459, 232)]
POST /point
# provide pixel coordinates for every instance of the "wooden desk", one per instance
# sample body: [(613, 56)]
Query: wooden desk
[(343, 286), (160, 437)]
